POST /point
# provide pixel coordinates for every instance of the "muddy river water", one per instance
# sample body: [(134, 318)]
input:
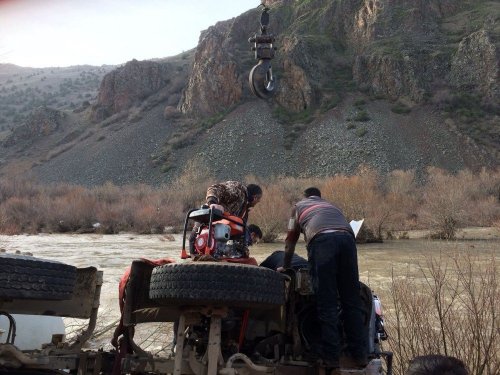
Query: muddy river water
[(114, 253)]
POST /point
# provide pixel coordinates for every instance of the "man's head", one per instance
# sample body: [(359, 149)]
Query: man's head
[(312, 191), (435, 364), (254, 194), (255, 233)]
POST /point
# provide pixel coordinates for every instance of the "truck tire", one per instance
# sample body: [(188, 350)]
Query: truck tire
[(9, 371), (26, 277), (216, 283)]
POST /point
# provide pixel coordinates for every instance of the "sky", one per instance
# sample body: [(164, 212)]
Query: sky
[(51, 33)]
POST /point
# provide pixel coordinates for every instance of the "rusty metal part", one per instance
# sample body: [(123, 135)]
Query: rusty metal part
[(229, 370), (10, 356), (87, 333)]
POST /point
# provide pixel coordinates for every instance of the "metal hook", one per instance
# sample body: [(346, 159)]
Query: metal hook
[(261, 79), (262, 82)]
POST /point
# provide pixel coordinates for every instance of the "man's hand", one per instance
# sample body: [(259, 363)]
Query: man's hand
[(217, 207), (281, 269)]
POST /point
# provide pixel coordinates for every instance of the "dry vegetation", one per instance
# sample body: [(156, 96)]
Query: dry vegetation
[(390, 204), (448, 304)]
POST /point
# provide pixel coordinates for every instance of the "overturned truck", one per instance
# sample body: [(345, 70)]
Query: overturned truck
[(229, 318)]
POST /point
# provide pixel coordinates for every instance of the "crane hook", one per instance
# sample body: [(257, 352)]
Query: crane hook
[(261, 79)]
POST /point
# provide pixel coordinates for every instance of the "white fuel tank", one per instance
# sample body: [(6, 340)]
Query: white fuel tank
[(32, 330)]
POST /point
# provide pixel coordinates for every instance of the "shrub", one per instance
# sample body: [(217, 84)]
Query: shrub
[(447, 305), (287, 117), (359, 197), (444, 203), (72, 211), (401, 108), (362, 116), (359, 103), (272, 212), (18, 215), (361, 132), (191, 185), (330, 102)]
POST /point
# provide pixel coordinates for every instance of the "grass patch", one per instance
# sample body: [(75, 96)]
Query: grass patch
[(467, 107), (401, 108), (361, 132), (359, 103), (287, 117), (362, 116), (330, 103), (186, 136), (209, 122), (293, 123)]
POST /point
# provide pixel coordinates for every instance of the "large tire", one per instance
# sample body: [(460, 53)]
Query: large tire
[(10, 371), (26, 277), (219, 283)]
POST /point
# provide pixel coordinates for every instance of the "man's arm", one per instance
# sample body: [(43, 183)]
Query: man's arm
[(292, 237), (212, 196)]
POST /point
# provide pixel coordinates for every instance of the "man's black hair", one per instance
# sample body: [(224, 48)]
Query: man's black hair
[(310, 191), (436, 364), (252, 228), (253, 190)]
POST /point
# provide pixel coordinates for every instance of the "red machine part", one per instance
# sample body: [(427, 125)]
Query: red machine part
[(201, 243), (235, 222)]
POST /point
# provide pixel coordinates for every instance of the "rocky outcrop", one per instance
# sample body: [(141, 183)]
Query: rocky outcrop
[(411, 75), (214, 83), (129, 85), (395, 48), (392, 48), (475, 65), (41, 122), (295, 92)]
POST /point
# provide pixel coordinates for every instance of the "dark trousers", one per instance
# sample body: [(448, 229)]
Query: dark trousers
[(333, 265)]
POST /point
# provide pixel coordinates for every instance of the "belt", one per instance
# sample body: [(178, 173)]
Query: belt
[(332, 231)]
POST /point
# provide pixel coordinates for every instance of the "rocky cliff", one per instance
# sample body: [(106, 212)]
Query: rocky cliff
[(391, 48), (131, 84), (475, 65), (42, 122), (397, 49), (395, 84)]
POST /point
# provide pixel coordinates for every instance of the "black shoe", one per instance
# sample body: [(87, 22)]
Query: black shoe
[(353, 362)]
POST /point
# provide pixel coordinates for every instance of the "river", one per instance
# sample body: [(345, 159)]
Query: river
[(114, 253)]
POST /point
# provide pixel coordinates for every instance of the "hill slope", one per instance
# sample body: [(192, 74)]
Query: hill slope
[(393, 84)]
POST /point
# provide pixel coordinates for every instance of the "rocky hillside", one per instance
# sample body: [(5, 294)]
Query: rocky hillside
[(23, 90), (396, 84)]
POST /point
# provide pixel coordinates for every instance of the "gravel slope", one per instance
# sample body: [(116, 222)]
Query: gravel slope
[(250, 142)]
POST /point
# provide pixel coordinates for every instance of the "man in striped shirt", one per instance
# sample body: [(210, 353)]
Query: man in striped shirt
[(333, 266)]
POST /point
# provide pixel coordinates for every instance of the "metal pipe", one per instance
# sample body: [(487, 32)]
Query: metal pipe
[(11, 335), (242, 357)]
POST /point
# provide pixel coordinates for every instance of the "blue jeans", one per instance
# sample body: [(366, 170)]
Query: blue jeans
[(333, 265)]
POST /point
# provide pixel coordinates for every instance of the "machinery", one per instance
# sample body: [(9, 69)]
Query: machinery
[(217, 234), (229, 317)]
